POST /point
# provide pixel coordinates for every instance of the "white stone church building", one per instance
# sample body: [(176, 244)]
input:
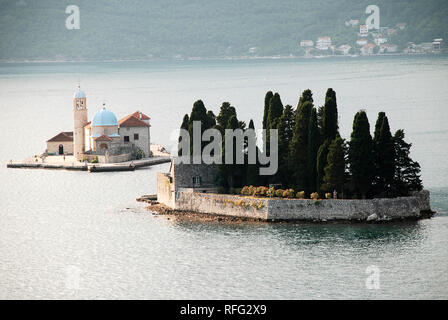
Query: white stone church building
[(104, 137)]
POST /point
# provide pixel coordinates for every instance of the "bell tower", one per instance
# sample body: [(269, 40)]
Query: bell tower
[(79, 122)]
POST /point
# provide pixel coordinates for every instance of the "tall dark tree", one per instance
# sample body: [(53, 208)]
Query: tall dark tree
[(313, 147), (184, 125), (334, 177), (407, 172), (321, 162), (274, 114), (211, 119), (285, 134), (253, 178), (330, 116), (299, 145), (267, 100), (360, 155), (384, 157), (226, 111), (198, 113)]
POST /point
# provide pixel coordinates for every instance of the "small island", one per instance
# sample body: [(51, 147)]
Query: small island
[(321, 177), (102, 144)]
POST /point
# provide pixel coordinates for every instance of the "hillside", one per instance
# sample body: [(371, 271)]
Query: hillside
[(136, 29)]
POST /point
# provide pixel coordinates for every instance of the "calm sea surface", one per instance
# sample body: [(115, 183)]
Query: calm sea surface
[(79, 235)]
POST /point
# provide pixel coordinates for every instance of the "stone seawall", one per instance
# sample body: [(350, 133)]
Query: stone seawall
[(275, 209)]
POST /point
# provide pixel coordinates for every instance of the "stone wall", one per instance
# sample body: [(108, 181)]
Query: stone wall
[(221, 204), (53, 147), (308, 210), (165, 191)]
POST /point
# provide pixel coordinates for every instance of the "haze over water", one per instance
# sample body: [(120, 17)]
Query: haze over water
[(54, 224)]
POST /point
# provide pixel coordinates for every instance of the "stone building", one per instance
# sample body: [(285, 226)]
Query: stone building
[(104, 137), (185, 178)]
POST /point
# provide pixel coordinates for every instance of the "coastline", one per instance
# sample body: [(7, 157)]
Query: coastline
[(227, 58)]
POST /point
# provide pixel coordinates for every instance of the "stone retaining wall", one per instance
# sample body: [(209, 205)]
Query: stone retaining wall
[(308, 210)]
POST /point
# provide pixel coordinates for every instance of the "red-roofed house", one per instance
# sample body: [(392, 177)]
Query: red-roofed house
[(134, 129)]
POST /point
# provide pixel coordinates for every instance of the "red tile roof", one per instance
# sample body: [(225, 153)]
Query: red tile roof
[(137, 115), (62, 136), (88, 125), (103, 138), (132, 121)]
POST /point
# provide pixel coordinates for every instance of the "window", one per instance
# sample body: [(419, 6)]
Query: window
[(196, 180), (126, 138), (135, 136)]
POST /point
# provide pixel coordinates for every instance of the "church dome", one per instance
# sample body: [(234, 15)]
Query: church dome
[(104, 117), (79, 93)]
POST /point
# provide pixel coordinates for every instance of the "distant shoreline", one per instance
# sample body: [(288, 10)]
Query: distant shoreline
[(12, 61)]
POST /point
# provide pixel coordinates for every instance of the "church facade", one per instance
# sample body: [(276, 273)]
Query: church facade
[(104, 137)]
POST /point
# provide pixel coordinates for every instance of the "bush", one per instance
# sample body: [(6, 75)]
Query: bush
[(270, 192), (245, 191), (139, 154), (300, 195), (262, 191), (314, 196), (289, 193), (279, 193), (94, 160), (328, 195)]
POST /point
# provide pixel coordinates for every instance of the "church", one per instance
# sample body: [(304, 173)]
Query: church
[(104, 137)]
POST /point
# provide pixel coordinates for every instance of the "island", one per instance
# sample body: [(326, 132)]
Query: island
[(321, 177)]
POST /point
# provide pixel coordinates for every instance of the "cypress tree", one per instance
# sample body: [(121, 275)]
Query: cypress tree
[(252, 169), (330, 116), (321, 162), (274, 114), (334, 177), (267, 100), (211, 119), (384, 156), (313, 147), (407, 172), (360, 155), (198, 113), (299, 145), (285, 134), (225, 112), (184, 125)]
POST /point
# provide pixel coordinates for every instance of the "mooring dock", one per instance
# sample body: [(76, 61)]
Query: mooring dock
[(91, 167)]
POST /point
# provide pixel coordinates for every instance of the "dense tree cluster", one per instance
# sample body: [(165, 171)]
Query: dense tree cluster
[(313, 158)]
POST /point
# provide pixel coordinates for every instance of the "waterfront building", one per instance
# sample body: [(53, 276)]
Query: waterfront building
[(306, 43), (104, 137), (323, 43), (363, 30)]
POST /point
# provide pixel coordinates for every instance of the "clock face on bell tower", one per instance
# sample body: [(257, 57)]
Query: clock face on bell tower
[(79, 104)]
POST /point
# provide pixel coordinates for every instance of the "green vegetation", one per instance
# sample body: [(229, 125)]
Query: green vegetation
[(136, 29), (314, 160)]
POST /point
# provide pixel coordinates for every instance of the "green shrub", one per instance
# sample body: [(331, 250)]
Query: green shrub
[(328, 195), (300, 195), (279, 193), (289, 193), (94, 160)]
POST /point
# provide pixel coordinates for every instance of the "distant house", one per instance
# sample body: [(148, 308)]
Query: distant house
[(323, 43), (363, 30), (380, 40), (362, 42), (437, 44), (344, 49), (253, 50), (401, 25), (388, 48), (306, 43), (367, 49), (61, 144)]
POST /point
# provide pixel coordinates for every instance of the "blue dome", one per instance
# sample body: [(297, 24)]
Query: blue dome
[(104, 118), (79, 93)]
